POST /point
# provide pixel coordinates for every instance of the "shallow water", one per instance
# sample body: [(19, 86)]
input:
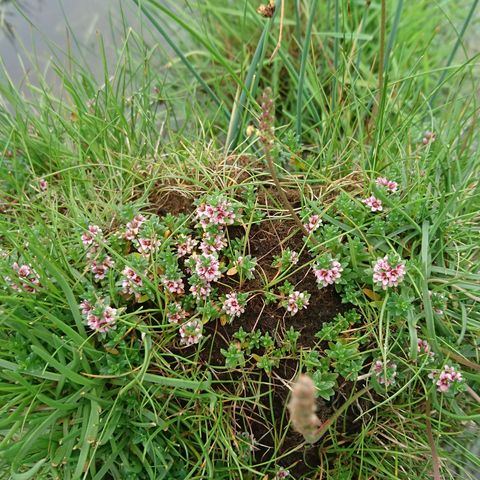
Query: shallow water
[(29, 29)]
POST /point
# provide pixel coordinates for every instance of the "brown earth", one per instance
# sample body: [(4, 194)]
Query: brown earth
[(267, 240)]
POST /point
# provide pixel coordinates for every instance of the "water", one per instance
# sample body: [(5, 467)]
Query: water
[(27, 36)]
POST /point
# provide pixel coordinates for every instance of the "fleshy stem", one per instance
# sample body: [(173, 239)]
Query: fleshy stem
[(267, 139)]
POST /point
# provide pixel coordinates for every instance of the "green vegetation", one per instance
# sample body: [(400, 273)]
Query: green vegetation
[(182, 239)]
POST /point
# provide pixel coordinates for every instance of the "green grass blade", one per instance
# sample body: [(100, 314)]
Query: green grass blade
[(303, 66)]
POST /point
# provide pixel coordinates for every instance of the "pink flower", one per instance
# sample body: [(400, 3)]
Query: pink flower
[(99, 317), (424, 347), (86, 307), (296, 301), (174, 286), (446, 378), (429, 137), (313, 223), (109, 314), (202, 291), (282, 474), (147, 245), (133, 227), (191, 332), (176, 313), (232, 306), (29, 280), (43, 184), (374, 204), (23, 272), (328, 276), (443, 383), (100, 269), (387, 275), (94, 321), (378, 367), (105, 322), (390, 185), (454, 375), (91, 234), (131, 282), (385, 373), (220, 214), (208, 268), (186, 246), (213, 243)]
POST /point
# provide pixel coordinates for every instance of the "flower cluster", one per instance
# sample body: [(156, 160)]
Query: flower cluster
[(43, 184), (388, 272), (191, 332), (145, 240), (330, 275), (92, 234), (390, 185), (207, 267), (313, 223), (201, 291), (423, 347), (429, 137), (133, 227), (176, 313), (203, 262), (213, 243), (296, 301), (185, 245), (100, 317), (100, 268), (98, 263), (146, 246), (131, 282), (174, 286), (234, 304), (27, 280), (446, 379), (220, 212), (374, 203), (385, 373), (281, 474)]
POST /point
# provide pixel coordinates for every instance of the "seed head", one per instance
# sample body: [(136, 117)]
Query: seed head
[(302, 409), (267, 10)]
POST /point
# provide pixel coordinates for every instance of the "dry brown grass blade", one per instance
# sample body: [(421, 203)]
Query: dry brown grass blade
[(280, 33)]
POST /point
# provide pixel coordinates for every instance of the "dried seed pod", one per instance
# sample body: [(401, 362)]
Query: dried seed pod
[(268, 10), (302, 408)]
